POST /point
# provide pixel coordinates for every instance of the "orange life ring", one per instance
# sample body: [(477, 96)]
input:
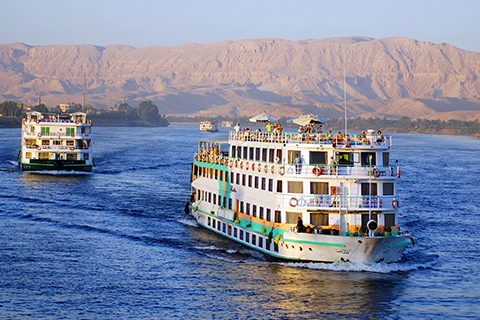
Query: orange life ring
[(39, 148), (314, 170), (253, 166), (395, 204), (241, 165), (282, 170), (236, 163), (36, 121), (398, 174), (72, 148), (196, 157), (376, 173), (39, 134), (273, 169), (246, 165), (72, 135), (76, 121), (265, 168), (293, 202)]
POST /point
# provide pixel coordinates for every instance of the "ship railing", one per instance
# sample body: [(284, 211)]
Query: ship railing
[(53, 135), (63, 121), (312, 138), (57, 147), (334, 202), (304, 170)]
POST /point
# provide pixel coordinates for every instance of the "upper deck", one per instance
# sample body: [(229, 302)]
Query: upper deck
[(337, 140), (56, 119)]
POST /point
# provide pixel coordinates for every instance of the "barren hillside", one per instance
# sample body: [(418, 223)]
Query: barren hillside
[(391, 77)]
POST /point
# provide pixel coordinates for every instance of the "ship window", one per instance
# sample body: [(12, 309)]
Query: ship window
[(386, 158), (235, 232), (31, 142), (232, 175), (247, 207), (295, 187), (71, 156), (239, 152), (224, 202), (225, 173), (234, 149), (260, 213), (219, 200), (245, 153), (279, 186), (241, 206), (293, 216), (292, 154), (247, 237), (278, 216), (241, 234), (279, 154), (238, 178), (256, 182), (254, 239), (270, 185), (254, 210), (216, 174), (213, 223), (244, 179), (318, 157), (70, 131), (275, 247), (257, 154), (86, 156), (214, 199), (267, 245), (366, 156), (264, 181), (209, 221), (46, 131), (390, 220), (260, 242), (264, 154), (45, 142), (269, 215), (219, 226), (224, 227), (57, 142), (366, 218), (250, 181), (229, 230), (388, 189), (28, 155), (251, 153), (272, 155), (318, 187), (345, 158), (210, 197), (230, 203), (365, 189), (319, 219)]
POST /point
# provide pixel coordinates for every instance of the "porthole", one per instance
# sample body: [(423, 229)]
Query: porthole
[(310, 249), (286, 246), (300, 248), (293, 247)]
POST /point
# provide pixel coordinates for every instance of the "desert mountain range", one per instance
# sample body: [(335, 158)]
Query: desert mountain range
[(390, 77)]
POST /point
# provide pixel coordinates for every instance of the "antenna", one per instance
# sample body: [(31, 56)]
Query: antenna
[(344, 92)]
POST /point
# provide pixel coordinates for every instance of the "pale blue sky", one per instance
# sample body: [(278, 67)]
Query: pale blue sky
[(143, 23)]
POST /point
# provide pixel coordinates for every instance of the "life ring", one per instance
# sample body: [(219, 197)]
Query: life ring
[(293, 202), (196, 157), (253, 166), (319, 170), (236, 163), (36, 121), (39, 148), (376, 173), (231, 163), (241, 165), (277, 159), (76, 121), (265, 168), (246, 165), (282, 170), (398, 174), (72, 135), (72, 148), (314, 170), (273, 169), (39, 134), (395, 204)]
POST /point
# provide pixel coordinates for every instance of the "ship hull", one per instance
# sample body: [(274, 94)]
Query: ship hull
[(56, 165), (304, 247)]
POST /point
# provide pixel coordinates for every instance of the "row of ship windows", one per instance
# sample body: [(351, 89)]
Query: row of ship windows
[(245, 236), (294, 187), (253, 210)]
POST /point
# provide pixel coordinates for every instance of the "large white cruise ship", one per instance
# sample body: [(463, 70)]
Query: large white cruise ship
[(252, 190), (56, 142)]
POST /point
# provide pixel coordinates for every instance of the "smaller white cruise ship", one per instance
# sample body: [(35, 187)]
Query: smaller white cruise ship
[(209, 126), (56, 142)]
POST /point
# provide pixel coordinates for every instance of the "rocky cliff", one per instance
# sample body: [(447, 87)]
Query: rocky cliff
[(391, 77)]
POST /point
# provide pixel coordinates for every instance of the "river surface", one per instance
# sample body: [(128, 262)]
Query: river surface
[(116, 243)]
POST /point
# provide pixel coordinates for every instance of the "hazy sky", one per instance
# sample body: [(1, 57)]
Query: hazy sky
[(143, 23)]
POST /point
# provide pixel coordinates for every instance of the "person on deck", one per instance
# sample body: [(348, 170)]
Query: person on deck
[(298, 164), (269, 127), (237, 128), (300, 226)]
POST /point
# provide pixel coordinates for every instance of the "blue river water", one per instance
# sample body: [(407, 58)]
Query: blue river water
[(116, 243)]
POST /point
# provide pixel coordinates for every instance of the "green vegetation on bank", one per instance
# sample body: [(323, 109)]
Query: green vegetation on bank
[(146, 115), (404, 124)]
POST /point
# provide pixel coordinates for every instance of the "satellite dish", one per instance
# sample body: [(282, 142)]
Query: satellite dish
[(372, 225)]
